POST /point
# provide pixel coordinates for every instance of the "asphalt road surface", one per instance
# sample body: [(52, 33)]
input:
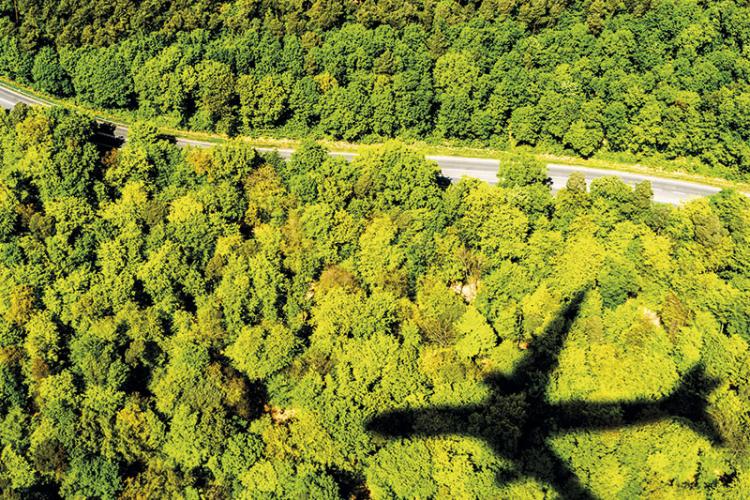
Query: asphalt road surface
[(665, 190)]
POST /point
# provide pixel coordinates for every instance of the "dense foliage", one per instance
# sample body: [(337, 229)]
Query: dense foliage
[(185, 323), (657, 78)]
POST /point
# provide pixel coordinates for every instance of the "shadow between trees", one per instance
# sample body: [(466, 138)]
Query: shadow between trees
[(517, 420)]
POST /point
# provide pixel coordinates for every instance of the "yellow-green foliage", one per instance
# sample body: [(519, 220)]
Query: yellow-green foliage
[(224, 324)]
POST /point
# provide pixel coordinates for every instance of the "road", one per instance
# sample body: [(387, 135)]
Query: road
[(665, 190), (9, 98)]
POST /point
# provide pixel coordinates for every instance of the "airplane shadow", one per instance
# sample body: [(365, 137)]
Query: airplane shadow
[(517, 420)]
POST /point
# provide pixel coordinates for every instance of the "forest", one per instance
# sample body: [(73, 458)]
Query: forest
[(645, 79), (214, 323)]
